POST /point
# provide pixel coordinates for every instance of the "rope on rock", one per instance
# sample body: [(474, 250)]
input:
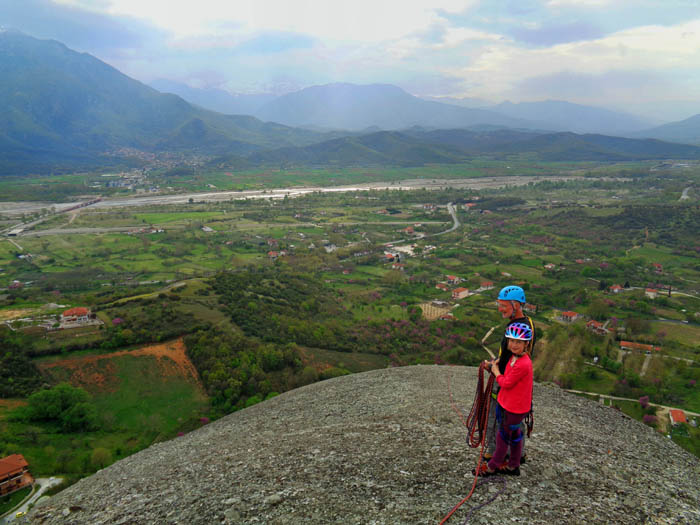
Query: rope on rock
[(476, 424)]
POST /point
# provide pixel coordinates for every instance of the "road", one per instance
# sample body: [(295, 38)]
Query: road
[(455, 224), (45, 484), (684, 195), (16, 245), (688, 412)]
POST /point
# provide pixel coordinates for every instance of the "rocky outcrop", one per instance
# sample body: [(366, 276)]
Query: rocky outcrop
[(386, 447)]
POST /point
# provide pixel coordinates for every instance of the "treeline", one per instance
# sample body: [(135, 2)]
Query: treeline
[(239, 371), (282, 306), (70, 408), (19, 377), (278, 305), (156, 319)]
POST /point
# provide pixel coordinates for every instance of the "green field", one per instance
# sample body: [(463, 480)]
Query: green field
[(138, 402)]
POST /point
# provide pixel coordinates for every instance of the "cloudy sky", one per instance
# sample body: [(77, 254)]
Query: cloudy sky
[(642, 56)]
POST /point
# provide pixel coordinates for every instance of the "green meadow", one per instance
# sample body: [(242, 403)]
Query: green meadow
[(137, 404)]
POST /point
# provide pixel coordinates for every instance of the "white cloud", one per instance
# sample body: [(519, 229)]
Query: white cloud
[(583, 3), (501, 65), (455, 36), (359, 20)]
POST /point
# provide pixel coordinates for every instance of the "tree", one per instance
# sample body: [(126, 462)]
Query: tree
[(100, 458), (598, 309), (69, 406), (79, 418)]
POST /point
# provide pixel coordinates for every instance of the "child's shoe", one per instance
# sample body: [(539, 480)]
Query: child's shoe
[(484, 471)]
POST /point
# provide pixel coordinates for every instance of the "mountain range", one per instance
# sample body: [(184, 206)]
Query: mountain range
[(387, 107), (67, 108), (418, 146), (63, 105)]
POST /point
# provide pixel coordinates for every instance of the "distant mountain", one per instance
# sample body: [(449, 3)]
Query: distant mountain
[(356, 107), (60, 106), (416, 147), (685, 131), (565, 116), (215, 99), (466, 102)]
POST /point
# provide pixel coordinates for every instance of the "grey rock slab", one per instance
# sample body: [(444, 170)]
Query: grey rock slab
[(386, 447)]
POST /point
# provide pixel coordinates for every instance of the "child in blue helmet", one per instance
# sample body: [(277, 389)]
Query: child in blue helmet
[(511, 300), (514, 401)]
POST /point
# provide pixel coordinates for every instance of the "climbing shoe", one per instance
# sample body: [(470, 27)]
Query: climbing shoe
[(509, 472), (484, 471)]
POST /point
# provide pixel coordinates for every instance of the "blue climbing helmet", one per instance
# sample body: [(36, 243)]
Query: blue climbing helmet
[(512, 293), (521, 331)]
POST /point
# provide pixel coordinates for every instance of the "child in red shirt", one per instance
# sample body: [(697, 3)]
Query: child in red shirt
[(515, 400)]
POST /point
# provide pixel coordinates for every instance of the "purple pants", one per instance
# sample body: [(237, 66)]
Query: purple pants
[(509, 435)]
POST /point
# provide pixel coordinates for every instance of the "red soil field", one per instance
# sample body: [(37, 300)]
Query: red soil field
[(97, 373)]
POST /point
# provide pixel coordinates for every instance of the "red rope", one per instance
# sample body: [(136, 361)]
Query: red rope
[(476, 424)]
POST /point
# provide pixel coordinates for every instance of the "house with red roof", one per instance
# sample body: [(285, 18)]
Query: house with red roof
[(596, 327), (658, 268), (453, 279), (616, 288), (487, 285), (459, 293), (14, 474), (651, 293), (532, 308), (569, 317), (443, 287), (78, 314), (630, 345), (677, 416), (398, 266)]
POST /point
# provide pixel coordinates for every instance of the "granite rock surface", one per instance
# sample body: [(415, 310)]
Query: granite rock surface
[(388, 447)]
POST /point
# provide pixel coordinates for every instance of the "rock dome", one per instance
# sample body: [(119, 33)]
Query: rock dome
[(386, 447)]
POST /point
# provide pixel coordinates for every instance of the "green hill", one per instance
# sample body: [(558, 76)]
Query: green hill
[(64, 106), (417, 147)]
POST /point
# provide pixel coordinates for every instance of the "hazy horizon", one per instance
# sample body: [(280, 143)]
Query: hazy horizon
[(636, 56)]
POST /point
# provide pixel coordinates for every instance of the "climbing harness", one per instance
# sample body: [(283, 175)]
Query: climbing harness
[(476, 423)]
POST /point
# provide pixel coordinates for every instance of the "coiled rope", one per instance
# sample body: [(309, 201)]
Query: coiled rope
[(476, 423)]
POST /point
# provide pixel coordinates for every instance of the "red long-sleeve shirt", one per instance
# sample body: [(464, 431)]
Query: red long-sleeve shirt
[(516, 386)]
